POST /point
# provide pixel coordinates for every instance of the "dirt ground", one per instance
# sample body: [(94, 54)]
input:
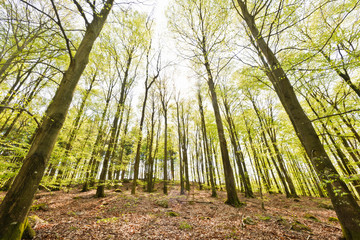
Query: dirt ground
[(120, 215)]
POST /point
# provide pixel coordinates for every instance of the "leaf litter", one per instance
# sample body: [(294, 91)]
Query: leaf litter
[(120, 215)]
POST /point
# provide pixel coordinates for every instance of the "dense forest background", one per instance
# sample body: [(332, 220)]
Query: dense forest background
[(255, 96)]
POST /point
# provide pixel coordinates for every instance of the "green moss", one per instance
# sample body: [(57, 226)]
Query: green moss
[(172, 214), (29, 233), (249, 221), (311, 217), (71, 213), (162, 203), (265, 218), (41, 206), (283, 221), (107, 220), (333, 219), (185, 226), (326, 206), (18, 230), (298, 226)]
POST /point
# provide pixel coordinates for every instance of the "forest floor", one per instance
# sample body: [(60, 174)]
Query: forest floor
[(120, 215)]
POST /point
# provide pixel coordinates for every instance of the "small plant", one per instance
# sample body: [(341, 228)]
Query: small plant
[(326, 206), (298, 226), (265, 218), (162, 203), (41, 206), (311, 217), (249, 221), (172, 214), (72, 228), (283, 221), (107, 220), (71, 213), (185, 226)]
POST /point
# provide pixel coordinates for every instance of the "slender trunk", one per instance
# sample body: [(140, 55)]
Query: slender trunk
[(206, 146), (182, 187), (138, 146), (237, 152), (165, 190), (100, 191), (232, 198)]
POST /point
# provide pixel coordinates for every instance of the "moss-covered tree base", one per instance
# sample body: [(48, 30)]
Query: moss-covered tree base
[(235, 204), (18, 231)]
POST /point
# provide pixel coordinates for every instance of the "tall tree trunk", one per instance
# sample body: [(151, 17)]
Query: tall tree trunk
[(206, 146), (137, 156), (90, 173), (14, 209), (237, 151), (150, 151), (100, 191), (232, 198), (181, 163), (165, 189)]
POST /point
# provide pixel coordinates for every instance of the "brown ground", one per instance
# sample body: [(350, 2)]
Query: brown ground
[(120, 215)]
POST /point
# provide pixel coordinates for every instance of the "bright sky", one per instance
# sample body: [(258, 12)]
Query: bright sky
[(178, 73)]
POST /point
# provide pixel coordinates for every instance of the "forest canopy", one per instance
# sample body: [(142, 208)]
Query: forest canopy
[(247, 97)]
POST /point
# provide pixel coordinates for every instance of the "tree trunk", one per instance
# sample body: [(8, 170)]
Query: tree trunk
[(100, 191), (232, 198), (165, 190), (208, 155)]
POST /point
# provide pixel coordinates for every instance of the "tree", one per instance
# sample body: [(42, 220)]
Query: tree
[(14, 209), (165, 96), (345, 205), (205, 30), (149, 81), (131, 43)]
